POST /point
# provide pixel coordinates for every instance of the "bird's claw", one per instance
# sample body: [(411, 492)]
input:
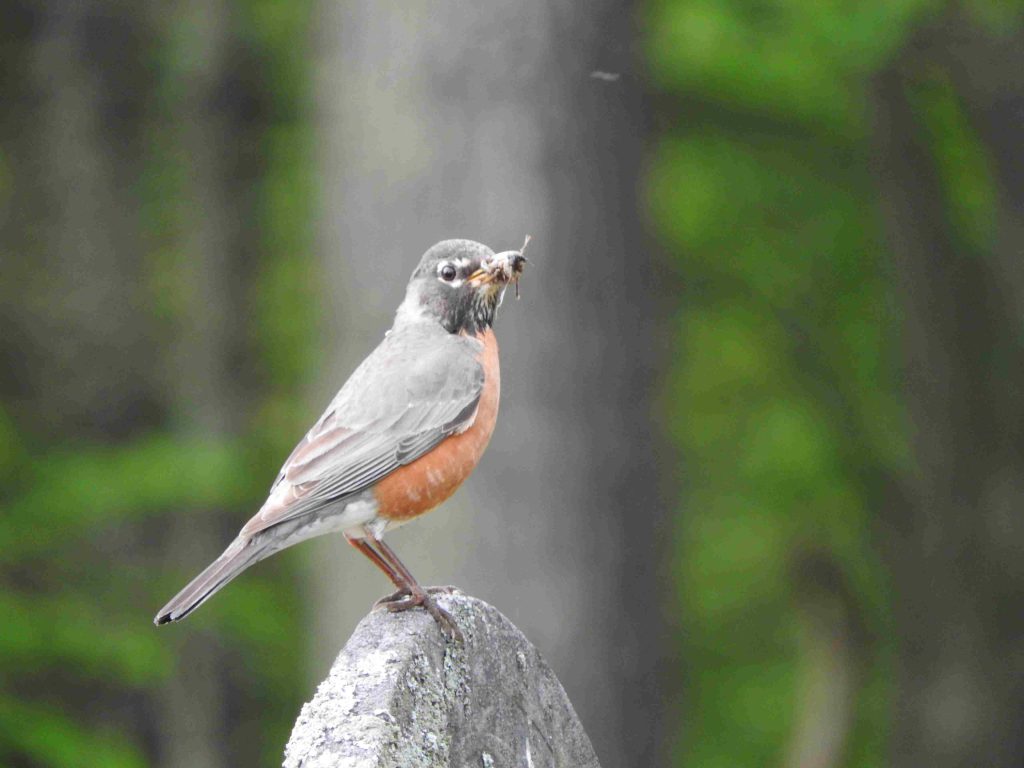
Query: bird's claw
[(404, 592), (392, 598), (445, 621)]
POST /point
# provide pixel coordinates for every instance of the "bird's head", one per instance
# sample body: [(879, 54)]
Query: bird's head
[(460, 284)]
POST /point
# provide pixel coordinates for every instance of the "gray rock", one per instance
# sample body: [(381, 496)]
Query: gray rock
[(399, 696)]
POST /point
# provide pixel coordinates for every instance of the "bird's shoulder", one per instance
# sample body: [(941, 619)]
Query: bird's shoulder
[(411, 365)]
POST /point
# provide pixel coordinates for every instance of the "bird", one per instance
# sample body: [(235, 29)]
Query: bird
[(401, 435)]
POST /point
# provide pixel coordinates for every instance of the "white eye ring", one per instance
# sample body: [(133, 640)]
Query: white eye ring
[(447, 272)]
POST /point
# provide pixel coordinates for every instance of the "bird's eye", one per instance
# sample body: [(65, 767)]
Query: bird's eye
[(448, 272)]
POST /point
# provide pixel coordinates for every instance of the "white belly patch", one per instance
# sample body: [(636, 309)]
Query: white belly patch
[(350, 515)]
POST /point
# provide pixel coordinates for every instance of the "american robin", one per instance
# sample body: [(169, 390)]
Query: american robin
[(401, 435)]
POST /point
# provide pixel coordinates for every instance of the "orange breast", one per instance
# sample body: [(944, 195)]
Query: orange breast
[(422, 485)]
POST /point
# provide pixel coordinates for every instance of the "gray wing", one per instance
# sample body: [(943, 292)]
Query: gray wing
[(416, 389)]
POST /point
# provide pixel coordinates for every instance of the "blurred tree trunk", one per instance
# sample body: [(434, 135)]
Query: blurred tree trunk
[(193, 706), (70, 238), (136, 149), (84, 298), (956, 534), (483, 121), (832, 667), (81, 300)]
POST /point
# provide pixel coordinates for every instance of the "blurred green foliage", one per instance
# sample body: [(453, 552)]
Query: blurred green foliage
[(784, 397), (963, 166), (82, 523)]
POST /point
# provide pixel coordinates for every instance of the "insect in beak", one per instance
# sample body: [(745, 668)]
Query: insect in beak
[(503, 268)]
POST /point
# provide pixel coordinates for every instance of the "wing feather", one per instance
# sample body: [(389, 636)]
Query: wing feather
[(416, 389)]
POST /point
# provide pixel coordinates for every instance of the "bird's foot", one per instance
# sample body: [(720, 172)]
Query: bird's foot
[(420, 596), (393, 597), (404, 592)]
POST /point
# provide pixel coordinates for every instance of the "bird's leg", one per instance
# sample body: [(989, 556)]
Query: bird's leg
[(407, 574), (397, 579), (417, 595), (388, 554)]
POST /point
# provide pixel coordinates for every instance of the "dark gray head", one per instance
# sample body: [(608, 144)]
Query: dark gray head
[(459, 284)]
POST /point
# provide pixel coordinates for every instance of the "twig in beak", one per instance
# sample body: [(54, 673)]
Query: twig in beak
[(518, 272)]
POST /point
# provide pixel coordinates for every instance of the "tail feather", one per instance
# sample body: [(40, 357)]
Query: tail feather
[(235, 559)]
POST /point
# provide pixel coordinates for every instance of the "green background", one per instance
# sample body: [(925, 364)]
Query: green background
[(817, 333)]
